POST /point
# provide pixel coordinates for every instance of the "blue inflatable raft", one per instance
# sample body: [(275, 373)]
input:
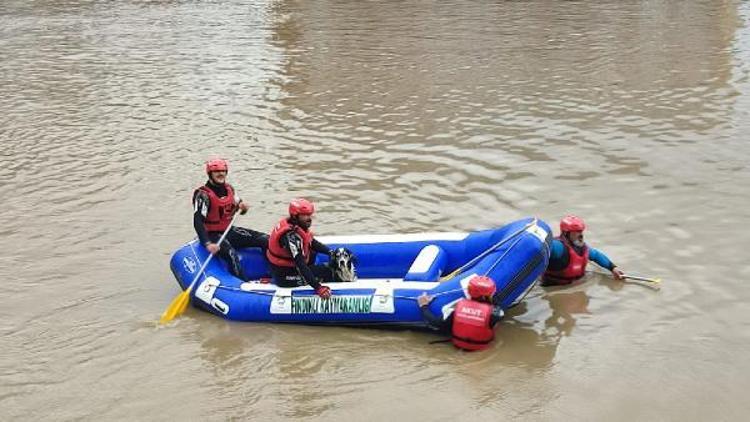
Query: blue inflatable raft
[(393, 270)]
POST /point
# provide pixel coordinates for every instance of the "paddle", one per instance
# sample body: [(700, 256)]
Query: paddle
[(654, 280), (646, 279), (487, 252), (180, 303)]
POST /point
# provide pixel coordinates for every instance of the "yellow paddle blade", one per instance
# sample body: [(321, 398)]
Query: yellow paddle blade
[(176, 308)]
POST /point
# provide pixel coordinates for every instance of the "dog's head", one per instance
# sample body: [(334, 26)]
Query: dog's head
[(343, 264)]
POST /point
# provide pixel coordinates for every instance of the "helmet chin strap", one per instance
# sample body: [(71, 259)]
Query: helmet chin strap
[(294, 219), (575, 242), (213, 181)]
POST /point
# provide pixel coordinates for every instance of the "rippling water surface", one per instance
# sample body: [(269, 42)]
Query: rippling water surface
[(394, 116)]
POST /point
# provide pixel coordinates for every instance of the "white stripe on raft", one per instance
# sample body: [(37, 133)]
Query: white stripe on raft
[(384, 238), (392, 238)]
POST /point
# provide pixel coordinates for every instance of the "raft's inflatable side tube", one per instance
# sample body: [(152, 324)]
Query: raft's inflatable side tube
[(393, 271)]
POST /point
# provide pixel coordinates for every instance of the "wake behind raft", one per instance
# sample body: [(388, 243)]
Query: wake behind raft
[(393, 270)]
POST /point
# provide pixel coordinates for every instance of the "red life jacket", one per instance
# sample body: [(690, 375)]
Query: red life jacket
[(280, 256), (220, 210), (576, 264), (471, 325)]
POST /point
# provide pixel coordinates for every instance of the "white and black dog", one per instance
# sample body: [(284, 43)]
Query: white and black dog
[(342, 264)]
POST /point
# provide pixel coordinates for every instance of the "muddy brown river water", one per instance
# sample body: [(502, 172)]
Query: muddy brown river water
[(394, 116)]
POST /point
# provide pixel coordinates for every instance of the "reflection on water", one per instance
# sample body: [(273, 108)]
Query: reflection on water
[(532, 331), (425, 118), (553, 319)]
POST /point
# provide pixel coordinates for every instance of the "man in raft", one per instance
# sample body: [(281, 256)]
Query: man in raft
[(569, 255), (291, 251), (214, 205), (472, 323)]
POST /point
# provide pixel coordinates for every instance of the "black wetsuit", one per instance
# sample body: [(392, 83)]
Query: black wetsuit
[(237, 237), (303, 273)]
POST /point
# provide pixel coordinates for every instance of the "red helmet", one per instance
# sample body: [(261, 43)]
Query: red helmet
[(571, 223), (301, 206), (480, 286), (216, 164)]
